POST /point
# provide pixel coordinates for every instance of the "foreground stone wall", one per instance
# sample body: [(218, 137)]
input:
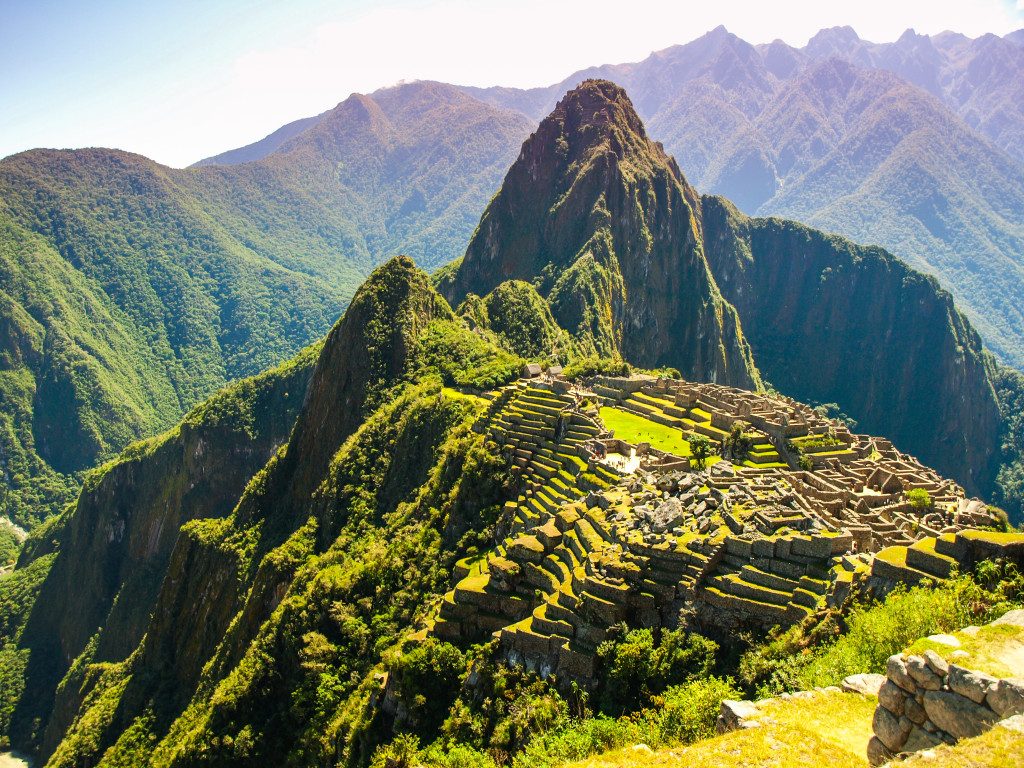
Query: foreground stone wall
[(927, 701)]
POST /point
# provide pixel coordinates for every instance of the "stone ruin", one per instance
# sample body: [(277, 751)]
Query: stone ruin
[(741, 544)]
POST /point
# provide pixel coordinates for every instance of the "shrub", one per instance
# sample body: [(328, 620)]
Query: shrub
[(689, 711), (880, 630), (700, 449), (634, 668)]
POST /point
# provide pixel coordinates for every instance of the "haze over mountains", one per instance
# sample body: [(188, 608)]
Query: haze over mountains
[(915, 145)]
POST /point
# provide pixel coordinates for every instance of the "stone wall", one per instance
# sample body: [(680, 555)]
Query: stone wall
[(926, 701)]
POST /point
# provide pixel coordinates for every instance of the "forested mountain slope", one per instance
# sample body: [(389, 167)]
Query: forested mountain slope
[(151, 287)]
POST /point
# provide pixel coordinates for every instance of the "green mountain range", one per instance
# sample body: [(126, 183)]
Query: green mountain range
[(132, 291), (255, 585)]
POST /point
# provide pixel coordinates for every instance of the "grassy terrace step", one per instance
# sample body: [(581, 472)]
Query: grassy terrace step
[(557, 612), (767, 611), (567, 598), (805, 597), (607, 612), (558, 568), (818, 586), (571, 539), (544, 624), (588, 537), (891, 563), (923, 557), (547, 462), (530, 405), (770, 580), (734, 585)]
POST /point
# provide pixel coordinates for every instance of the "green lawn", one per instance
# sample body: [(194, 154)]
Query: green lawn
[(633, 428), (454, 394)]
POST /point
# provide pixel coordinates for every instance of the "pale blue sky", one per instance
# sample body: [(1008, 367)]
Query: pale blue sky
[(178, 81)]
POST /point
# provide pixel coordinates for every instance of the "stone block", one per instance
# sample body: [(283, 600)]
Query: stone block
[(896, 670), (974, 685), (892, 697), (913, 711), (918, 669), (958, 716), (1007, 699), (1013, 618), (763, 548), (1015, 723), (865, 683), (877, 752), (919, 739), (888, 729), (738, 547), (733, 714), (936, 663)]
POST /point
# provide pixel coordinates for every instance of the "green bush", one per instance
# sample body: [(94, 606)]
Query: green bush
[(919, 499), (878, 631), (634, 668), (689, 711), (802, 658), (700, 448)]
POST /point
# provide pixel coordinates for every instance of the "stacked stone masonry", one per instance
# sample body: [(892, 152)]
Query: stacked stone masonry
[(926, 701), (741, 544)]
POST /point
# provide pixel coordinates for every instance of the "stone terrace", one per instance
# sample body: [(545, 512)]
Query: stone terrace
[(748, 545)]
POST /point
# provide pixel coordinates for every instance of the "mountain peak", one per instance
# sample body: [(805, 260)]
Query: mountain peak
[(602, 222), (595, 108)]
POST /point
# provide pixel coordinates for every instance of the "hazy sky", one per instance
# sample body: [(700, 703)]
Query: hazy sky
[(182, 80)]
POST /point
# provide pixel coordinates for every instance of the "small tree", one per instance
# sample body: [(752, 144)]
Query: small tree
[(919, 499), (700, 449)]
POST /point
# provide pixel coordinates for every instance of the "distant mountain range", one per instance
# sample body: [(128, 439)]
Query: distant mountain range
[(916, 145), (161, 285)]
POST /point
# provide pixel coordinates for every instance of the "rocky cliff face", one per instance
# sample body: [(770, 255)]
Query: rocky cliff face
[(831, 321), (597, 216)]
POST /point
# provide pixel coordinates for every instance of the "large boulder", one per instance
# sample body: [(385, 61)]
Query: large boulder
[(867, 683), (735, 715), (960, 717)]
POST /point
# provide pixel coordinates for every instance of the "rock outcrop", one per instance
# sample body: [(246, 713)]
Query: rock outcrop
[(831, 321)]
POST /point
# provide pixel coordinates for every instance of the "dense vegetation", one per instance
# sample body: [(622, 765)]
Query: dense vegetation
[(252, 586), (1010, 482), (130, 291)]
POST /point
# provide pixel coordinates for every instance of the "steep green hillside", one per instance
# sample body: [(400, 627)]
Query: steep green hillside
[(334, 545), (596, 215), (521, 321), (836, 322), (150, 287), (287, 629), (110, 550)]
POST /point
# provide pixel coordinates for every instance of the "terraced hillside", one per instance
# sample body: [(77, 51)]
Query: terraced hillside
[(624, 525)]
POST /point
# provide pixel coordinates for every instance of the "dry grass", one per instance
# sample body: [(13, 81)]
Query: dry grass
[(830, 729)]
